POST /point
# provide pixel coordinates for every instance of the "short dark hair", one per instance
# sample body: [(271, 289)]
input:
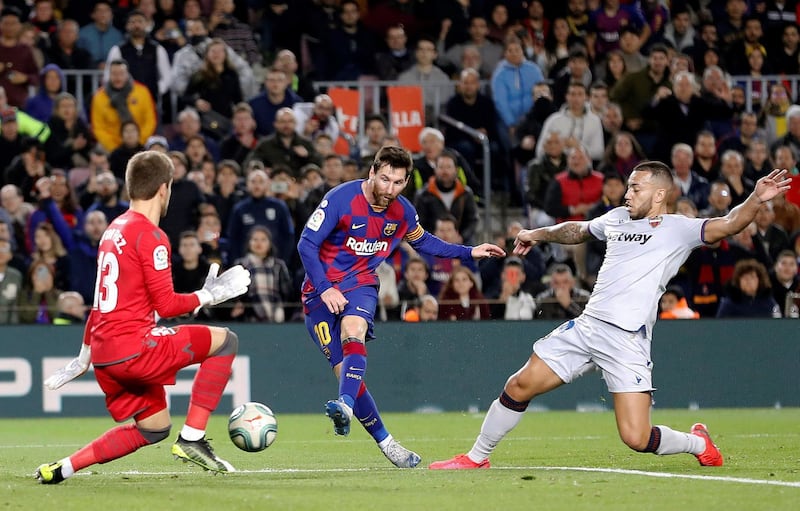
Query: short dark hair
[(657, 169), (560, 268), (133, 13), (675, 290), (189, 234), (231, 164), (449, 154), (146, 172), (576, 83), (28, 143), (660, 48), (417, 260), (99, 150), (130, 122), (309, 168), (118, 62), (448, 217), (281, 168), (376, 117), (578, 53), (395, 157), (785, 253), (10, 10)]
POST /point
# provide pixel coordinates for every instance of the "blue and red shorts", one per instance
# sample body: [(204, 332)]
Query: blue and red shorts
[(325, 328)]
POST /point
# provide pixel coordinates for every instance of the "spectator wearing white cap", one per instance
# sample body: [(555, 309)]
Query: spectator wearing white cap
[(157, 143)]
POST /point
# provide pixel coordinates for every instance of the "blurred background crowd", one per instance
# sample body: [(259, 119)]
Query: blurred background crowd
[(569, 95)]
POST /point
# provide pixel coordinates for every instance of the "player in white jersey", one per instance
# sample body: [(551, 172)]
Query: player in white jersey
[(645, 248)]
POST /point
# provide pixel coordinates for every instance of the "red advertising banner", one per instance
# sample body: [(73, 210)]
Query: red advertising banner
[(407, 114), (346, 102)]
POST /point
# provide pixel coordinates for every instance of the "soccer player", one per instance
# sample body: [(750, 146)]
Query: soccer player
[(645, 248), (133, 358), (356, 226)]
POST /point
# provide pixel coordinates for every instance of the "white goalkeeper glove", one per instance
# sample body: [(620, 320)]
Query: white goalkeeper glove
[(219, 288), (76, 367)]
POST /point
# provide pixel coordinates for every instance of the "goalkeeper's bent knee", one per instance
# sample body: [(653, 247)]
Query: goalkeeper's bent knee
[(153, 437), (230, 345)]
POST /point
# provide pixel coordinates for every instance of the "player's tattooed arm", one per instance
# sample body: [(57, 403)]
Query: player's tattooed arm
[(567, 233)]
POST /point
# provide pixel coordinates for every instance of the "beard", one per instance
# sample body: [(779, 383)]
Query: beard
[(384, 200)]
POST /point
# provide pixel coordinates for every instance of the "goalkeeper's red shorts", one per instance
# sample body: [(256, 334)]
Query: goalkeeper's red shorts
[(135, 388)]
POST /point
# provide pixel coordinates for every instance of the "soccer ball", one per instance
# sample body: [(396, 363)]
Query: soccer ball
[(252, 427)]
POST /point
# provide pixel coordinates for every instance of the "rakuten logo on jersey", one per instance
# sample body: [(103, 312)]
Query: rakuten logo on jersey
[(366, 248)]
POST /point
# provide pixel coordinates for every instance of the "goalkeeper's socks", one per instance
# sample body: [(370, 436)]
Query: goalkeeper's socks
[(500, 419), (192, 434), (209, 383), (66, 468), (113, 444), (367, 414), (351, 374)]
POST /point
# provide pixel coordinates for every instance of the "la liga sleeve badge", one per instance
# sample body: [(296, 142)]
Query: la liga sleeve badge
[(315, 222), (160, 258)]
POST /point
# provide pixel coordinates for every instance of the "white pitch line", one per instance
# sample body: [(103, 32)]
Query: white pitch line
[(622, 471), (430, 440), (664, 475)]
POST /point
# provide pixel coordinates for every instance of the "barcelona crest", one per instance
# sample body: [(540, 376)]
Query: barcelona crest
[(389, 229)]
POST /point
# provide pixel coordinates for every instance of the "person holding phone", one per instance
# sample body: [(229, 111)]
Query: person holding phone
[(514, 302)]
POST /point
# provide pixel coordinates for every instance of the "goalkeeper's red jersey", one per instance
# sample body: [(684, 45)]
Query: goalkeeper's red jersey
[(134, 281)]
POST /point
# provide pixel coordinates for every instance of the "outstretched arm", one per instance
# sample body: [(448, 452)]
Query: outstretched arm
[(566, 233), (426, 243), (767, 188)]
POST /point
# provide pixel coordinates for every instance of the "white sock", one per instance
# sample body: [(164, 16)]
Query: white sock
[(498, 422), (66, 468), (191, 434), (674, 442), (383, 444)]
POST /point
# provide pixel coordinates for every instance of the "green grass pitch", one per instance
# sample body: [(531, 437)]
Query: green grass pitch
[(552, 461)]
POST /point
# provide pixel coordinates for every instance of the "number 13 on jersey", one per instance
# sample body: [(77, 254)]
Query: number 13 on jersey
[(106, 292)]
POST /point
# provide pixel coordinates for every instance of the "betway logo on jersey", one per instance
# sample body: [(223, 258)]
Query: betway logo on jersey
[(364, 247), (629, 237)]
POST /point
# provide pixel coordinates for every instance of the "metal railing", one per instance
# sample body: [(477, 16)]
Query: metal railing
[(93, 76), (487, 170), (372, 92), (791, 308), (748, 83)]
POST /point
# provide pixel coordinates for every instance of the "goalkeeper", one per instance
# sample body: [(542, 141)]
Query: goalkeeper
[(133, 358)]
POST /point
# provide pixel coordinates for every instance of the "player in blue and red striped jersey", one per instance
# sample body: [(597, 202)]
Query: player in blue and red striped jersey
[(358, 225)]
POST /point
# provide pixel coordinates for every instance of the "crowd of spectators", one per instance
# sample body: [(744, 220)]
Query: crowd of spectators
[(571, 95)]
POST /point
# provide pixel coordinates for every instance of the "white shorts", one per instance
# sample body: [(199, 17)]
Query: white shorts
[(582, 344)]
